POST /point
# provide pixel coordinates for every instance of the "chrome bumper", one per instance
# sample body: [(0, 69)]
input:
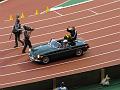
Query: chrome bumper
[(33, 59)]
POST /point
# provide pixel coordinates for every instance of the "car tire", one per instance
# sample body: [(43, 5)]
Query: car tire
[(79, 52), (45, 60)]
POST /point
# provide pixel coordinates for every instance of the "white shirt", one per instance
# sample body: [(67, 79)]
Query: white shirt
[(62, 88)]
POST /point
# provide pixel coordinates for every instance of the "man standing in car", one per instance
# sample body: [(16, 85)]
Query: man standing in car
[(73, 35), (17, 31), (72, 32), (27, 41)]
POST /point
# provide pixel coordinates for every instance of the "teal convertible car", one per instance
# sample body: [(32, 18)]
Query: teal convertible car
[(56, 49)]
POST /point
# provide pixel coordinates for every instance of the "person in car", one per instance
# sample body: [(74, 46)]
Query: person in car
[(72, 32), (54, 43), (65, 43)]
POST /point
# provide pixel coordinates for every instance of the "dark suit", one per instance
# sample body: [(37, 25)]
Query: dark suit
[(27, 42), (17, 32), (73, 33)]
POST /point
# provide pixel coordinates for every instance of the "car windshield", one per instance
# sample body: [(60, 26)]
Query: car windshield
[(54, 43)]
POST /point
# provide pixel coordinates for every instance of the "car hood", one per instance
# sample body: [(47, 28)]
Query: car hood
[(42, 49)]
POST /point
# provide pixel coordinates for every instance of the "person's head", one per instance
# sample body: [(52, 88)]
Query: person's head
[(65, 42), (25, 27), (73, 28), (69, 28), (17, 16), (62, 84)]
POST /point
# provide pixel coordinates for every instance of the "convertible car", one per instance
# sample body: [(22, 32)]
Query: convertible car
[(54, 50)]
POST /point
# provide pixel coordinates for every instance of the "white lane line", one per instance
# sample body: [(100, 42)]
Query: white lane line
[(100, 28), (81, 19), (103, 36), (73, 19), (105, 44), (63, 30), (6, 20), (64, 23), (89, 48), (61, 73), (61, 3), (58, 13), (60, 63), (31, 15), (10, 65), (65, 14), (67, 22), (93, 11), (14, 56), (57, 8), (85, 40)]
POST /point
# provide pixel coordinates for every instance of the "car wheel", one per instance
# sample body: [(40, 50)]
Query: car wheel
[(45, 60), (79, 52)]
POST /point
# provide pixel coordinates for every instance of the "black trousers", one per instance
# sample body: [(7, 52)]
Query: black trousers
[(26, 43), (17, 38)]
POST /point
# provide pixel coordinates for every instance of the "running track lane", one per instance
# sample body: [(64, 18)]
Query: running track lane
[(115, 56), (83, 21), (26, 6), (95, 51), (104, 4), (93, 42), (54, 71), (96, 33), (91, 5)]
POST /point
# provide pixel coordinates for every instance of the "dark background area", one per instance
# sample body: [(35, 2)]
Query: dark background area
[(72, 81)]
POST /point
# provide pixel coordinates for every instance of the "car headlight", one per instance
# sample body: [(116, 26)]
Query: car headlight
[(29, 50), (38, 56)]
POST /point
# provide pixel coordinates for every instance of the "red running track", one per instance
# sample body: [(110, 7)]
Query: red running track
[(97, 22)]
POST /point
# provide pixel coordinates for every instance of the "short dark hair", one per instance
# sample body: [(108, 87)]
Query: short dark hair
[(27, 28)]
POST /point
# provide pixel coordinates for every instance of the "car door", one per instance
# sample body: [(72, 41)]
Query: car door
[(65, 52)]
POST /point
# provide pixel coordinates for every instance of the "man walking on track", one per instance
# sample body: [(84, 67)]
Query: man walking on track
[(17, 31), (27, 41), (72, 32)]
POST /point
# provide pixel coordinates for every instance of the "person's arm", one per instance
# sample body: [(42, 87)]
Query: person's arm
[(10, 36), (68, 30), (75, 35)]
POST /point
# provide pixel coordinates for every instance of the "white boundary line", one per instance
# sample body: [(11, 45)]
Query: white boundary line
[(68, 22), (58, 13), (64, 15), (63, 30), (61, 63), (3, 1), (9, 65), (61, 72), (58, 6), (62, 3), (93, 12), (86, 40), (105, 44), (103, 36), (89, 48)]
